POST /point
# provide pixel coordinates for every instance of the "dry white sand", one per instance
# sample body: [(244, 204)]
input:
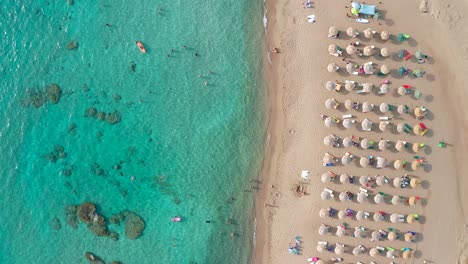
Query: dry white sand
[(297, 78)]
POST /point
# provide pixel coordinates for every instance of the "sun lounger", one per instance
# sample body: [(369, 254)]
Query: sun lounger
[(367, 10)]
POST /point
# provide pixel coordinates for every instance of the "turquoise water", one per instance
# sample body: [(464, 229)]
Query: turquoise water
[(191, 147)]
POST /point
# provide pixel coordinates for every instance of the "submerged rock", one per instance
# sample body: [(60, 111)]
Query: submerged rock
[(37, 97), (114, 236), (116, 218), (54, 92), (55, 224), (134, 225), (132, 66), (71, 127), (113, 118), (70, 2), (87, 213), (93, 259), (98, 229), (71, 45), (72, 220)]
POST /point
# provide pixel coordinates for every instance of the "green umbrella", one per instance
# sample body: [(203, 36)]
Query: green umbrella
[(402, 53), (419, 73), (402, 71), (419, 55), (417, 94), (402, 37)]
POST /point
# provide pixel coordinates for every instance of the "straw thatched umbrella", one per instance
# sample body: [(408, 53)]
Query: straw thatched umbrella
[(364, 161), (415, 182), (394, 218), (333, 32), (396, 200), (378, 217), (363, 180), (402, 109), (347, 123), (384, 52), (415, 165), (384, 69), (391, 254), (367, 107), (346, 159), (323, 229), (366, 125), (381, 180), (379, 198), (326, 195), (383, 125), (330, 86), (413, 200), (329, 122), (417, 147), (384, 35), (323, 213), (357, 251), (398, 164), (360, 216), (411, 218), (359, 233), (400, 127), (326, 177), (350, 68), (341, 214), (392, 236), (361, 197), (375, 236), (344, 178), (406, 254), (340, 231), (352, 32), (409, 237), (321, 248), (347, 142), (384, 89), (365, 143), (383, 145), (368, 50), (348, 104), (368, 68), (330, 103), (368, 33), (350, 49), (339, 249), (332, 67), (332, 49), (373, 252), (401, 90), (349, 85), (417, 129), (400, 145), (418, 112), (367, 87), (384, 107), (344, 197)]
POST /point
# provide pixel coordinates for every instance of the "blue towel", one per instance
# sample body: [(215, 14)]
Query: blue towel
[(367, 10)]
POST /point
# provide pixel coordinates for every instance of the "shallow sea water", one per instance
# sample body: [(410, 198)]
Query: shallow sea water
[(191, 148)]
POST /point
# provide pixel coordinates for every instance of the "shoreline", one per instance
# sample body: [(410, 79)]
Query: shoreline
[(272, 225)]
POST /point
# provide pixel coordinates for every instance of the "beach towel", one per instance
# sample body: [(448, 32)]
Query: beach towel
[(367, 9), (311, 18)]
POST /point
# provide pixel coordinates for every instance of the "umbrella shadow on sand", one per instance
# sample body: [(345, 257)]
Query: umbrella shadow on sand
[(419, 237), (425, 185), (427, 167)]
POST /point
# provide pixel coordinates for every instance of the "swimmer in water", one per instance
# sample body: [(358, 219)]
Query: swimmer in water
[(133, 178)]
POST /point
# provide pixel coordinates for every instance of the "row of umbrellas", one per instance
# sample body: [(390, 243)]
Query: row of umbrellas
[(379, 162), (384, 107), (355, 69), (361, 232), (368, 33), (359, 250), (369, 181), (384, 88), (400, 145), (361, 215), (363, 197)]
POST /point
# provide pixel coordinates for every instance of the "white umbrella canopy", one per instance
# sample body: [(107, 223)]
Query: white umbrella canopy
[(397, 182), (326, 177), (360, 216), (364, 161), (323, 213), (350, 68), (321, 248), (400, 145), (352, 32), (375, 236), (347, 123), (357, 251), (365, 143), (363, 180), (384, 89), (378, 217), (383, 145), (332, 67), (368, 68), (347, 142), (400, 127), (402, 109), (367, 107), (326, 195), (368, 50), (385, 35), (349, 85), (343, 197), (333, 32), (379, 198), (341, 214), (367, 87), (398, 164), (348, 104), (339, 249), (401, 90), (384, 69), (394, 218), (384, 107), (368, 33), (330, 86), (329, 122), (361, 197), (384, 52), (328, 140), (340, 231), (323, 229), (330, 103), (346, 160), (381, 180), (381, 163), (366, 125), (327, 158), (350, 49), (391, 254), (373, 252), (383, 125), (344, 178), (396, 200), (332, 48), (359, 233)]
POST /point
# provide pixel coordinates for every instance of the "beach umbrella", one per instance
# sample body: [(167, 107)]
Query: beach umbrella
[(326, 195), (367, 107), (344, 178), (417, 147), (357, 251), (352, 32), (383, 125), (364, 161), (409, 237), (330, 103), (411, 218), (339, 250), (381, 163), (383, 144), (365, 143), (390, 254), (378, 217), (394, 218), (384, 35), (368, 33), (384, 52), (341, 214), (375, 236), (368, 50), (417, 129), (396, 200), (400, 145), (347, 142), (348, 104), (347, 123), (418, 112), (319, 262), (332, 49), (402, 37), (349, 85), (332, 32), (413, 200), (330, 86), (384, 69), (406, 254), (326, 177), (355, 5), (332, 67), (397, 182), (329, 122), (329, 140), (328, 158), (401, 90), (340, 231), (346, 160), (361, 197), (373, 252), (366, 125), (419, 55), (384, 107), (350, 68), (363, 180), (379, 198), (368, 68), (415, 182), (359, 233), (392, 236), (381, 180), (415, 165), (350, 49), (360, 215), (343, 197), (367, 87), (398, 164), (400, 127), (323, 213), (321, 248), (402, 71), (402, 109), (323, 229), (384, 89)]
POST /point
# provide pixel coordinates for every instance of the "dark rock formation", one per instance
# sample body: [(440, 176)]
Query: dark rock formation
[(93, 259), (134, 225), (58, 153), (72, 45), (114, 236), (116, 218), (53, 93), (114, 117), (71, 127), (132, 66), (37, 97), (98, 229), (111, 118), (116, 262), (87, 213), (55, 224)]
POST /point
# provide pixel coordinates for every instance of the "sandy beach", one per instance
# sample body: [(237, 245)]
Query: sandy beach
[(296, 79)]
